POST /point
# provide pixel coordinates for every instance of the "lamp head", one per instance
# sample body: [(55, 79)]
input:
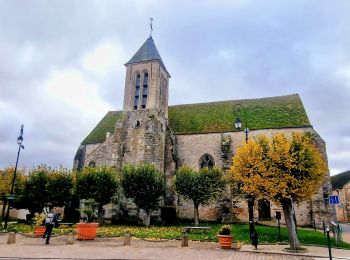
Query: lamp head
[(20, 140), (238, 123)]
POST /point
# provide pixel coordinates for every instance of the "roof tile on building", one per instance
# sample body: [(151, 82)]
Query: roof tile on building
[(339, 180), (215, 117), (147, 52)]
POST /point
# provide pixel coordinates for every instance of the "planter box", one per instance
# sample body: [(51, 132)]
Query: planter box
[(39, 230), (225, 241), (86, 231)]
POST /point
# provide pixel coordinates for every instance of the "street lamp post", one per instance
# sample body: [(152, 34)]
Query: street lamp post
[(250, 198), (11, 197)]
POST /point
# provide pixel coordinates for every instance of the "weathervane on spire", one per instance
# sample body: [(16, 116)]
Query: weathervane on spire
[(150, 24)]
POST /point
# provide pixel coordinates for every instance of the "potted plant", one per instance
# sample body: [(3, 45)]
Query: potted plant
[(225, 238), (87, 230), (39, 228)]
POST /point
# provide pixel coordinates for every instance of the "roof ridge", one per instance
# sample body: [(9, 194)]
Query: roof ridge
[(236, 100)]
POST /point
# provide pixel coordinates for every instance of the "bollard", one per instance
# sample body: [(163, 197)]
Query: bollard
[(324, 228), (11, 239), (70, 239), (127, 239), (314, 221), (329, 244), (184, 241)]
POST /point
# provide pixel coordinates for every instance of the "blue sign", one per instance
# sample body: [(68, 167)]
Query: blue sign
[(333, 199)]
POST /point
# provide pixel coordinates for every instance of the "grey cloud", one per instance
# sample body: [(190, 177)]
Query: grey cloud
[(214, 50)]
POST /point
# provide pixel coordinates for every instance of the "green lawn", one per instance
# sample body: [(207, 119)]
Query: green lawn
[(240, 232)]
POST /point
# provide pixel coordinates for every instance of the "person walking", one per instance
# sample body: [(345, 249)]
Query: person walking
[(50, 221)]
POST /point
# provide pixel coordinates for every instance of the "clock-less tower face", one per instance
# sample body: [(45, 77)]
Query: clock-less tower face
[(146, 81)]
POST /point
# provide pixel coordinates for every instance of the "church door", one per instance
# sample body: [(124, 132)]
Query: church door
[(264, 209)]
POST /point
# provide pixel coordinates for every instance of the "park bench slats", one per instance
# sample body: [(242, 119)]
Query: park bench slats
[(188, 229)]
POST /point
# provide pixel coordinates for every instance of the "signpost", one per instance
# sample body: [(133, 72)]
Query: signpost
[(334, 200)]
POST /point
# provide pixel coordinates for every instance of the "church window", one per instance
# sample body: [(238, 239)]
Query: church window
[(206, 161), (137, 124), (92, 164), (144, 90), (137, 91)]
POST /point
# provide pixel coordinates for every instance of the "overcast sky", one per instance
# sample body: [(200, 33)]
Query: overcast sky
[(61, 64)]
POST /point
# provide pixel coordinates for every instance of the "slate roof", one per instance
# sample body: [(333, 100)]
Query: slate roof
[(215, 117), (147, 52), (339, 180)]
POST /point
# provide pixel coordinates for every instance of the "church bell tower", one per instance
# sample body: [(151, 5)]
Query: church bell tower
[(146, 81), (144, 127)]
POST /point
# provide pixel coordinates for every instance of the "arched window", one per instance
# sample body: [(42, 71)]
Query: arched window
[(144, 90), (161, 93), (137, 91), (206, 161)]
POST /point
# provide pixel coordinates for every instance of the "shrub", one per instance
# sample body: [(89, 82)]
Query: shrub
[(225, 230)]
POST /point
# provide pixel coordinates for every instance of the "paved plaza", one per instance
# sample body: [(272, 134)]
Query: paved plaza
[(112, 248)]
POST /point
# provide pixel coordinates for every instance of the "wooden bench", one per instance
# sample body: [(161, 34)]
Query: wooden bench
[(66, 224), (188, 229)]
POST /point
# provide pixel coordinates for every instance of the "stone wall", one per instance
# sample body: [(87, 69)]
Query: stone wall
[(190, 149), (343, 209), (145, 142), (212, 212), (16, 213), (139, 137)]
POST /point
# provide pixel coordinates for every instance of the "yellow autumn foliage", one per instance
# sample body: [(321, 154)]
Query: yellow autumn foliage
[(279, 168), (6, 177)]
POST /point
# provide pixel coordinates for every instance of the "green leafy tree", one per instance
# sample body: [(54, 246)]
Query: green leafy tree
[(34, 196), (200, 187), (282, 169), (145, 185), (59, 187), (45, 187), (98, 183)]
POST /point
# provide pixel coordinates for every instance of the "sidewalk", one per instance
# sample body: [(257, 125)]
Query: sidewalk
[(112, 248)]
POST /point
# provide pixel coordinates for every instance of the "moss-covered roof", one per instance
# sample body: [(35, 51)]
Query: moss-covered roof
[(107, 124), (263, 113), (339, 180)]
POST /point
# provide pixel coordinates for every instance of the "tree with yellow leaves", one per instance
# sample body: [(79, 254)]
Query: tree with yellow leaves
[(6, 178), (282, 169)]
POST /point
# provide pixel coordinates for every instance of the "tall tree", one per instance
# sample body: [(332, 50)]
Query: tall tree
[(145, 185), (200, 187), (59, 187), (6, 178), (98, 183), (34, 196), (282, 169)]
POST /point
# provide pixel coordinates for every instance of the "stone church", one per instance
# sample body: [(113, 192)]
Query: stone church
[(195, 135)]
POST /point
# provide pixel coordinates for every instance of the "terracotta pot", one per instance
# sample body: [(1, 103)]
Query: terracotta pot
[(86, 231), (39, 230), (225, 241)]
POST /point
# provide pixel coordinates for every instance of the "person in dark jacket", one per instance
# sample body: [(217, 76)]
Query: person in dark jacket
[(51, 220)]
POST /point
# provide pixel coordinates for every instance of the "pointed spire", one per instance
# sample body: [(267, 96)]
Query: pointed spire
[(147, 52), (151, 25)]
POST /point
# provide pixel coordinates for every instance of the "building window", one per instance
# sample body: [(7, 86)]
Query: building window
[(137, 91), (144, 90), (206, 161)]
